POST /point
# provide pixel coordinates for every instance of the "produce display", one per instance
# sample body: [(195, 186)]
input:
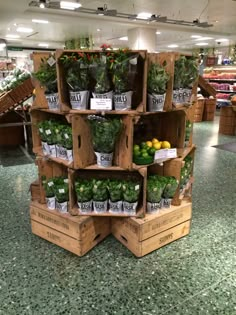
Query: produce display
[(186, 172), (16, 78), (57, 193), (56, 139), (106, 195), (144, 153), (105, 132), (160, 192)]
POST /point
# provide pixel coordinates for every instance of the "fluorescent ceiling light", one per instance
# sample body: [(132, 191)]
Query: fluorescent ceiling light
[(144, 15), (40, 21), (222, 40), (123, 38), (43, 45), (13, 36), (173, 46), (158, 33), (24, 30), (68, 5), (196, 36), (2, 45), (204, 38), (201, 44), (42, 5)]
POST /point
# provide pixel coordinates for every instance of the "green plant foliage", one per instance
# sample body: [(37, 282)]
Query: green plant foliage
[(47, 75), (84, 190), (157, 79), (131, 191), (115, 190), (155, 188), (170, 188), (186, 72), (16, 78), (100, 192)]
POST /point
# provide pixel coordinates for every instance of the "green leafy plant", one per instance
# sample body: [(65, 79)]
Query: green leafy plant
[(47, 75), (14, 79), (115, 190), (84, 190), (170, 188), (48, 186), (188, 130), (157, 79), (61, 190), (131, 190), (104, 133), (68, 139), (186, 72), (155, 188), (101, 75), (78, 77), (100, 192)]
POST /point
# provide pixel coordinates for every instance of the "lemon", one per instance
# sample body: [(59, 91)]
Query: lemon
[(149, 144), (165, 145), (154, 140), (157, 146)]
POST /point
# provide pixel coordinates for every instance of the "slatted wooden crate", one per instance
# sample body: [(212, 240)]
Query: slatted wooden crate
[(6, 102), (139, 176), (199, 108), (227, 124), (22, 91), (209, 110), (75, 234), (138, 77), (35, 191), (142, 236)]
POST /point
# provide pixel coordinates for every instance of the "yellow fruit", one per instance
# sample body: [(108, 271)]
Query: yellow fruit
[(165, 145), (157, 146), (154, 140), (149, 144)]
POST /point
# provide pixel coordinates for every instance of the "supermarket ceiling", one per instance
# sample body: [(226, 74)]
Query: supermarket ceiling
[(67, 24)]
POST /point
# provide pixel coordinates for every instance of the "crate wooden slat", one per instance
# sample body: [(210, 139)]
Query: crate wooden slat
[(35, 191), (75, 234), (6, 102), (142, 236), (227, 124), (209, 110)]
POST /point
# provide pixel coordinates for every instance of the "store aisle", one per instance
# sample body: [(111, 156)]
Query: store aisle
[(195, 275)]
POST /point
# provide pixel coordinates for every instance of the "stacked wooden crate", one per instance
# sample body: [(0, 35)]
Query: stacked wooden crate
[(168, 224)]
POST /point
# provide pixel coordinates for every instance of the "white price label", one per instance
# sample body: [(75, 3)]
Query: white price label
[(165, 154), (48, 132), (61, 190), (66, 180), (133, 61), (40, 129), (101, 103), (51, 61), (136, 187), (50, 184), (66, 136)]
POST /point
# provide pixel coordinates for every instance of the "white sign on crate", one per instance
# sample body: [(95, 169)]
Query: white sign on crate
[(101, 103), (165, 154)]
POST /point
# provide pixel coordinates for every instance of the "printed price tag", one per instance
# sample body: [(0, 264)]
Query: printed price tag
[(101, 103), (66, 136), (133, 61), (136, 187), (51, 61), (61, 190), (50, 184), (48, 132), (165, 154), (66, 180), (40, 129)]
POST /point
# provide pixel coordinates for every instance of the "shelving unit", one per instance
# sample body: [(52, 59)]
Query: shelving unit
[(138, 125)]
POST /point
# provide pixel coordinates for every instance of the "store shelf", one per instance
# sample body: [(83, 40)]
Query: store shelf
[(221, 80), (225, 91), (223, 101), (38, 151)]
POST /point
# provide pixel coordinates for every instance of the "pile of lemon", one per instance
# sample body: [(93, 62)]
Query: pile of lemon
[(148, 148)]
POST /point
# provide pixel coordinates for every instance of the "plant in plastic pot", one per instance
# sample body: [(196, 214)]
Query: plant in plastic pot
[(116, 195), (48, 186), (50, 132), (105, 132), (47, 76), (68, 142), (78, 78), (84, 193), (42, 127), (156, 86), (61, 190), (131, 192), (100, 195), (60, 148), (190, 76), (155, 189), (169, 191)]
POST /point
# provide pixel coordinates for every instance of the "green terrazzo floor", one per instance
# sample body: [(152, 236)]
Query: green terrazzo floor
[(195, 275)]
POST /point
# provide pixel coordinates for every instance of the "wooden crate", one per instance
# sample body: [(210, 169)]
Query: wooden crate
[(140, 176), (199, 108), (138, 76), (227, 124), (49, 169), (209, 110), (22, 91), (35, 191), (75, 234), (38, 116), (6, 102), (142, 236)]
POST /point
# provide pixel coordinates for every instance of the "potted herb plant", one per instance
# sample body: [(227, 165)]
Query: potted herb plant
[(61, 190), (48, 186), (156, 86), (169, 191), (68, 142), (47, 77), (155, 189), (131, 191), (84, 193), (42, 127), (116, 195), (105, 132), (60, 149), (100, 195)]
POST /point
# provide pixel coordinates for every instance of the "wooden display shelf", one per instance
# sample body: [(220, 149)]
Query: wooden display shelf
[(39, 152), (75, 234), (139, 214)]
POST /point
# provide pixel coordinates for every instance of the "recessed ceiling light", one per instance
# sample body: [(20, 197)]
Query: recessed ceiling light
[(201, 44), (15, 24), (40, 21), (68, 5), (173, 46), (8, 29), (13, 36), (158, 33), (204, 38), (123, 38), (98, 30), (144, 15), (24, 30), (222, 40), (196, 36), (43, 45)]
